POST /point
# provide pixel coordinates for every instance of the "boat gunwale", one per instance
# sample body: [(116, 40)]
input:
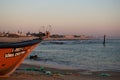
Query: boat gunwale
[(20, 44)]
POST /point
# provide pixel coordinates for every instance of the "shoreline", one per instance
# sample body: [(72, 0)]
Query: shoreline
[(27, 72), (50, 65), (62, 67)]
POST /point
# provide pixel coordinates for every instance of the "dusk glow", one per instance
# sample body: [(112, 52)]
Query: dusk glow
[(60, 39), (89, 17)]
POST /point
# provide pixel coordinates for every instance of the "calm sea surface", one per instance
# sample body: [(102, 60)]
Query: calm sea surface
[(79, 54)]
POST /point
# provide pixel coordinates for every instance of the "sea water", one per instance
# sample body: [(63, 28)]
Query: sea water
[(79, 54)]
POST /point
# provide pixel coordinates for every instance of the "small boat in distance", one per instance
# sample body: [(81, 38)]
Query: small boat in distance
[(13, 53)]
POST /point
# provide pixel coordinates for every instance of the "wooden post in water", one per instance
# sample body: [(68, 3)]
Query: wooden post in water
[(104, 41)]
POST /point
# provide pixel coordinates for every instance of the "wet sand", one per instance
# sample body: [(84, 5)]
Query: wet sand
[(27, 72)]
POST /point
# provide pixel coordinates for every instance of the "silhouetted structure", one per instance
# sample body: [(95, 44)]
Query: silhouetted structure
[(104, 40)]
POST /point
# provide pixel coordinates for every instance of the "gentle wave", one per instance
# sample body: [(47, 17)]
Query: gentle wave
[(80, 54)]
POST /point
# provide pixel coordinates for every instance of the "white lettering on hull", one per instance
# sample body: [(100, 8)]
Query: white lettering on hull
[(15, 52)]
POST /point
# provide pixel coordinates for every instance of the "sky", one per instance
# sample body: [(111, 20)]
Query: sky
[(89, 17)]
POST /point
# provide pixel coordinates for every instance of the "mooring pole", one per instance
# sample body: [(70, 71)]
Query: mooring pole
[(104, 41)]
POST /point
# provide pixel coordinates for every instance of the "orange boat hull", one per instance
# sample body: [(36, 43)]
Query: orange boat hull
[(11, 58)]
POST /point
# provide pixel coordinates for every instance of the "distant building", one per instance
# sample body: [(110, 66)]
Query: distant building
[(57, 36), (2, 34), (13, 35)]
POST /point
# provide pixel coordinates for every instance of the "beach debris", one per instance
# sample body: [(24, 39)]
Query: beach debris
[(57, 74), (105, 74), (48, 72), (42, 69), (31, 69)]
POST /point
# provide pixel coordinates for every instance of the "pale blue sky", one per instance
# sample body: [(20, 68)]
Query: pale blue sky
[(93, 17)]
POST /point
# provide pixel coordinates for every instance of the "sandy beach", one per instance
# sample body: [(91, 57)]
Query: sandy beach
[(31, 72)]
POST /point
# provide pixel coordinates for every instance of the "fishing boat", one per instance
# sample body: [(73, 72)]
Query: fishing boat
[(14, 51)]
